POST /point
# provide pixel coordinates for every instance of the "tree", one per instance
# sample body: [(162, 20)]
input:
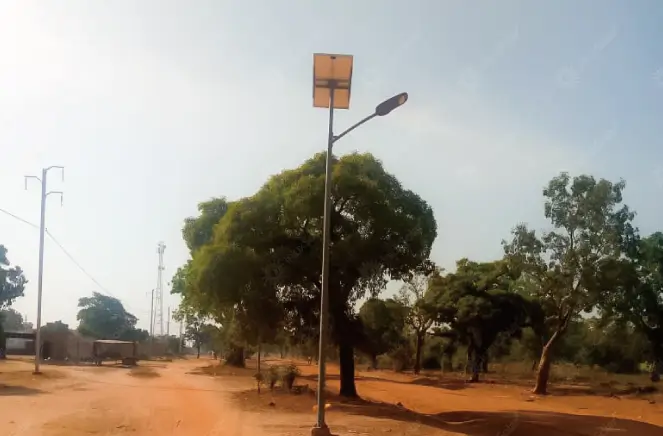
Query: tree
[(477, 304), (55, 327), (638, 298), (419, 318), (199, 231), (379, 231), (591, 228), (383, 322), (11, 320), (197, 327), (12, 280), (104, 317)]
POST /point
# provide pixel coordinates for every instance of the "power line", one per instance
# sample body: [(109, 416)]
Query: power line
[(64, 250), (19, 218), (80, 267)]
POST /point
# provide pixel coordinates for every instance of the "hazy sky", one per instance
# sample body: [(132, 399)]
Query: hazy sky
[(154, 106)]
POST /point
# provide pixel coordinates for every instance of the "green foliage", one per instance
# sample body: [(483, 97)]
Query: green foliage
[(104, 317), (591, 229), (420, 316), (476, 304), (11, 320), (638, 297), (198, 329), (200, 231), (289, 374), (264, 261), (55, 327), (12, 280), (383, 324)]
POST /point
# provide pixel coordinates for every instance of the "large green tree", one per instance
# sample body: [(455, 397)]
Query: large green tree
[(638, 299), (104, 317), (383, 325), (478, 304), (270, 244), (590, 229)]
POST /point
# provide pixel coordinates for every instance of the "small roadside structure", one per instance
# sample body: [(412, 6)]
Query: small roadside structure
[(107, 349)]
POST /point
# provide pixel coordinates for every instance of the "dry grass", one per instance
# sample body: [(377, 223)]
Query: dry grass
[(221, 369), (144, 372)]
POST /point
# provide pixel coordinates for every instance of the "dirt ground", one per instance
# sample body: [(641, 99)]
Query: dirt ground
[(196, 397)]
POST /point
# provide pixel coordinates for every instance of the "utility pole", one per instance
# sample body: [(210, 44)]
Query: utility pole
[(152, 324), (152, 314), (161, 247), (181, 341), (42, 230), (168, 323)]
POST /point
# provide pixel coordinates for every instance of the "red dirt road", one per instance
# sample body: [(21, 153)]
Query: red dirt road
[(179, 399), (75, 401)]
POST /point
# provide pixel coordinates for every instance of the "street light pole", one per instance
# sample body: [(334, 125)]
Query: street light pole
[(324, 297), (42, 231), (332, 74)]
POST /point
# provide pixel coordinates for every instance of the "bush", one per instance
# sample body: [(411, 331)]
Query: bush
[(289, 374), (431, 362), (401, 358), (259, 378), (272, 377)]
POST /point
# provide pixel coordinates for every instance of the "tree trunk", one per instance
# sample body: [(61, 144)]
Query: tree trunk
[(235, 357), (198, 348), (447, 362), (374, 361), (259, 380), (484, 363), (417, 358), (475, 365), (347, 361), (543, 374), (655, 371)]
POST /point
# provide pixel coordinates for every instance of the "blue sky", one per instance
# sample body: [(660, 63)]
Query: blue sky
[(154, 106)]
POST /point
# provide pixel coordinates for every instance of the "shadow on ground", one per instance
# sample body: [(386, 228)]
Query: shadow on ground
[(12, 390), (452, 385), (516, 423)]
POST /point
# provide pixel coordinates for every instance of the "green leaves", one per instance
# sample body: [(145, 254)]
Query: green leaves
[(104, 317), (590, 226), (12, 280)]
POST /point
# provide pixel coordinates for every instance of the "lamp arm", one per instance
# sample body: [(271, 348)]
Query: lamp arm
[(354, 126)]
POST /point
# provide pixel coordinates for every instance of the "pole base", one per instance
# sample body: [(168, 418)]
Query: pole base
[(321, 431)]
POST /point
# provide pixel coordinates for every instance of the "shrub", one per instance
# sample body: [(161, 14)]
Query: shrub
[(289, 374), (272, 377), (431, 362)]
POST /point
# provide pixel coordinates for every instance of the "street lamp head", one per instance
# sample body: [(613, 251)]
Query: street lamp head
[(390, 104)]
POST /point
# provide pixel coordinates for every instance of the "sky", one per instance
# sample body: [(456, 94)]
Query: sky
[(155, 106)]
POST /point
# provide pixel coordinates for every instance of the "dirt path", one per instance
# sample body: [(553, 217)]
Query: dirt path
[(110, 401)]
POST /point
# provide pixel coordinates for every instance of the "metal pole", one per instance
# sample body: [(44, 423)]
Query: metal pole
[(324, 297), (151, 322), (181, 322), (40, 279)]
